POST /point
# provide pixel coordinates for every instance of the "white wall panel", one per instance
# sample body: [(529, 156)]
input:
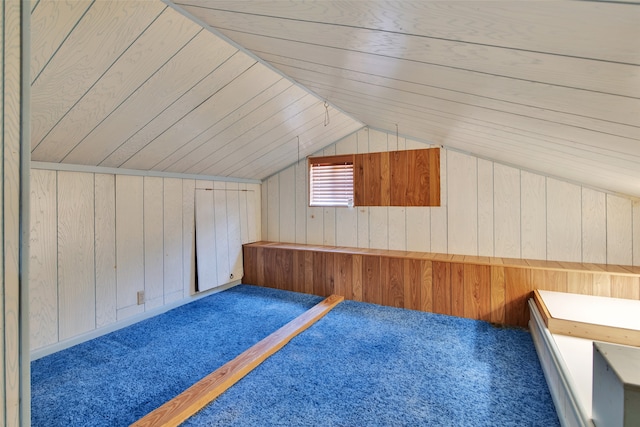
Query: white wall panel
[(378, 227), (362, 137), (254, 209), (242, 208), (301, 201), (533, 216), (636, 232), (397, 228), (188, 237), (439, 232), (273, 208), (76, 274), (129, 244), (418, 229), (619, 222), (485, 208), (153, 242), (105, 224), (206, 260), (172, 236), (235, 220), (594, 226), (506, 202), (462, 207), (348, 145), (378, 141), (564, 221), (222, 233), (287, 208), (329, 224), (264, 203), (43, 261), (315, 225), (346, 227)]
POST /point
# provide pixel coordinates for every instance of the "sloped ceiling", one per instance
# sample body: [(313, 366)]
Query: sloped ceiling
[(552, 87), (137, 85)]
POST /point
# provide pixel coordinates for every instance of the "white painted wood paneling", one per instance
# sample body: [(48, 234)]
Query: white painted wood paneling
[(206, 259), (222, 232), (594, 226), (43, 262), (378, 141), (129, 243), (346, 227), (254, 209), (533, 216), (188, 237), (418, 230), (439, 232), (105, 224), (264, 218), (378, 227), (485, 208), (300, 183), (619, 222), (362, 213), (397, 228), (235, 219), (636, 232), (153, 242), (273, 216), (76, 274), (462, 206), (315, 225), (506, 202), (119, 24), (329, 226), (287, 204), (564, 221), (172, 239)]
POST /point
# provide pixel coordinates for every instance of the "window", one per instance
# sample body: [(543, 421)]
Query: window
[(331, 181)]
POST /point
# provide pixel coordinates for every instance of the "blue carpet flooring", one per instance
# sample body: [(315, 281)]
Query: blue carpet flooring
[(361, 365), (116, 379)]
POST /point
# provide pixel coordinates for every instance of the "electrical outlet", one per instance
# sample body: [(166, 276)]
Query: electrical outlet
[(140, 297)]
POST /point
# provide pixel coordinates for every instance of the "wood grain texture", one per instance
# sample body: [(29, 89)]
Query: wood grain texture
[(441, 287), (498, 295), (177, 410), (399, 176), (105, 245), (76, 274), (14, 379), (457, 289), (43, 262), (129, 242), (483, 288), (477, 292), (518, 289)]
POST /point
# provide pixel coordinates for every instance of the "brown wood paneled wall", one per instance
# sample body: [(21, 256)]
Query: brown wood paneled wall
[(491, 289), (397, 178), (394, 178)]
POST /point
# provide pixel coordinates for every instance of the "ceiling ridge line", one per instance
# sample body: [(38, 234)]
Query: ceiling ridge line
[(307, 21)]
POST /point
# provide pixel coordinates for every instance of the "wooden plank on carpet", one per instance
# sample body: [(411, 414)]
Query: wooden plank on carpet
[(190, 401)]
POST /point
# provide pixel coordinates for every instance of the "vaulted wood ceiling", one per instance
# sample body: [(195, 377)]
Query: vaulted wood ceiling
[(552, 87)]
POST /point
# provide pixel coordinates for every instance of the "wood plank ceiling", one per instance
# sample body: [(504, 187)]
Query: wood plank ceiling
[(137, 85), (552, 87)]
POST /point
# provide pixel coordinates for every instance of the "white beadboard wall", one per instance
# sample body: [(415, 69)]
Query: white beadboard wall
[(488, 209), (99, 238)]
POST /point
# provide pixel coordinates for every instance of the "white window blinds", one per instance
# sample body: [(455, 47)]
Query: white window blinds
[(331, 181)]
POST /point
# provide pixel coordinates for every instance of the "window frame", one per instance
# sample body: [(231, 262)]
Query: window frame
[(338, 160)]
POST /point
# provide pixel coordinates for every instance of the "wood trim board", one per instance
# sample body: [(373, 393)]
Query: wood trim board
[(584, 328), (183, 406)]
